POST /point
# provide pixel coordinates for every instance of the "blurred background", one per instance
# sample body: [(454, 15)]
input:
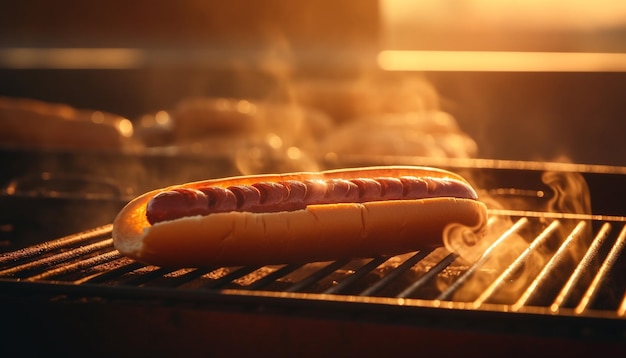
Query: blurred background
[(550, 82), (495, 68)]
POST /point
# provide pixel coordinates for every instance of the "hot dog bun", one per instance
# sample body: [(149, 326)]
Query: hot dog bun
[(317, 233), (29, 123)]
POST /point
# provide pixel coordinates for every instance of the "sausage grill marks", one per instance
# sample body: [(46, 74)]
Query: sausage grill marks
[(290, 195)]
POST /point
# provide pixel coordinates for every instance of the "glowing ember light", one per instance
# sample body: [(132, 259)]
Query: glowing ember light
[(125, 127)]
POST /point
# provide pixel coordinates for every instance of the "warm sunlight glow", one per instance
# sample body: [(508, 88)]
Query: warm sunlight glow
[(501, 61), (514, 13), (493, 35)]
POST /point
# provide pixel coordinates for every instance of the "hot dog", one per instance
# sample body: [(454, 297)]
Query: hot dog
[(29, 123), (296, 217)]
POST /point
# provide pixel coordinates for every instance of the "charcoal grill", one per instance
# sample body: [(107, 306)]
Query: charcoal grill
[(558, 284)]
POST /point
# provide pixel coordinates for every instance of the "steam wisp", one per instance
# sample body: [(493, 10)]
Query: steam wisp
[(514, 269)]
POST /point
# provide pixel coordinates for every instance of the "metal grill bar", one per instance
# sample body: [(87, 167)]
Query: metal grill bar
[(76, 266), (621, 311), (58, 258), (49, 246), (317, 276), (144, 274), (89, 260), (272, 277), (591, 292), (364, 270), (406, 265), (231, 276), (567, 289), (179, 277), (447, 294), (545, 272), (126, 266), (517, 264), (434, 271)]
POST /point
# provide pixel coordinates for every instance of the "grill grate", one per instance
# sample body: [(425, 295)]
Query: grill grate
[(578, 272)]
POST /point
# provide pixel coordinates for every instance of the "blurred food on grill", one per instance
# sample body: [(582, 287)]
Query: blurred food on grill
[(316, 120), (313, 121), (386, 116), (349, 99), (30, 123), (198, 118), (426, 134), (260, 136)]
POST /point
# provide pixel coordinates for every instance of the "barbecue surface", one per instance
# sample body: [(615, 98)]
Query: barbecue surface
[(552, 276), (537, 264)]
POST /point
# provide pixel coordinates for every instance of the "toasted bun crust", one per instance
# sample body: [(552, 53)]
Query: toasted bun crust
[(317, 233)]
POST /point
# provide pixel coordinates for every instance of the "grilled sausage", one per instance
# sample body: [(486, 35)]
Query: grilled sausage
[(296, 218)]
